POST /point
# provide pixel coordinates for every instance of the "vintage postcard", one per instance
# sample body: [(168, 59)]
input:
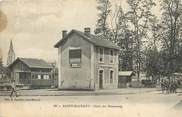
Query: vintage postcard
[(90, 58)]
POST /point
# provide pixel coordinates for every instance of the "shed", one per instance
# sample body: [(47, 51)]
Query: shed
[(31, 71), (124, 77)]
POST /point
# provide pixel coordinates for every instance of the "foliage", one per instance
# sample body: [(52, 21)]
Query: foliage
[(153, 65), (123, 37), (148, 43), (104, 8), (171, 23), (140, 16)]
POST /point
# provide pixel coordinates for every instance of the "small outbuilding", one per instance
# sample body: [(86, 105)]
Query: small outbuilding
[(124, 78), (31, 71)]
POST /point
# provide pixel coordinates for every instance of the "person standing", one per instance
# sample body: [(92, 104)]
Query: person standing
[(13, 86), (162, 86)]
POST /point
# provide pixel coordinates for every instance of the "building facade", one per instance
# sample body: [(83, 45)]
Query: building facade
[(86, 61), (33, 72)]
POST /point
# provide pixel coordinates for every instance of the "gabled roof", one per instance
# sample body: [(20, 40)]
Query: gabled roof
[(125, 73), (96, 40), (33, 63)]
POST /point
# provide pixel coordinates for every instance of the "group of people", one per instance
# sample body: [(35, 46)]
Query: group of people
[(169, 85)]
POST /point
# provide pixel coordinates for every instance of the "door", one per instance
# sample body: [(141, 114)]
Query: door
[(100, 79), (16, 77)]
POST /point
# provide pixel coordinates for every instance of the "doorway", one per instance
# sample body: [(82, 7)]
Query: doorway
[(101, 73)]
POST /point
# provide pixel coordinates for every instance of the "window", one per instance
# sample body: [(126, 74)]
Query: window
[(75, 57), (101, 55), (111, 57), (111, 76), (46, 77), (39, 77), (35, 76)]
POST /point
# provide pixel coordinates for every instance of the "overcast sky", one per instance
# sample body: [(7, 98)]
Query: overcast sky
[(36, 25)]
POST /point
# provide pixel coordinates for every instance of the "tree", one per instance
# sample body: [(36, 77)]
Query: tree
[(104, 8), (140, 16), (153, 63), (171, 36), (152, 53), (126, 53), (125, 41)]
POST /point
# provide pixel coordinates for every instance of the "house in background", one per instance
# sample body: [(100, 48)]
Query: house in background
[(30, 71), (125, 78), (86, 61)]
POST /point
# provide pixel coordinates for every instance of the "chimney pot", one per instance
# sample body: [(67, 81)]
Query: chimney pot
[(87, 30), (64, 33)]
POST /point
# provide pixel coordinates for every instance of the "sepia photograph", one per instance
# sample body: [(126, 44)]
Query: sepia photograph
[(90, 58)]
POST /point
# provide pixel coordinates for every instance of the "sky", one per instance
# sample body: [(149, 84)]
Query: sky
[(35, 26)]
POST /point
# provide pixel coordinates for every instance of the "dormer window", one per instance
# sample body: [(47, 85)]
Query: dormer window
[(101, 55)]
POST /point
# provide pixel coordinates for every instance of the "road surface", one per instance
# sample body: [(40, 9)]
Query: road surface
[(124, 103)]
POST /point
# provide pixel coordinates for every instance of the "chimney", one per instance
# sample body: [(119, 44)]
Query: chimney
[(87, 30), (64, 33)]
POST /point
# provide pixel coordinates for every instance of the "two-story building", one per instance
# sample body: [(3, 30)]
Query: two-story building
[(86, 61)]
